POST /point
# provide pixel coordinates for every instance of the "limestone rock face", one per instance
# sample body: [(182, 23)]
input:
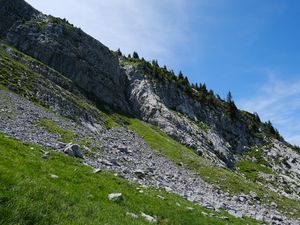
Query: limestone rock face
[(102, 79), (207, 130), (67, 49), (12, 11)]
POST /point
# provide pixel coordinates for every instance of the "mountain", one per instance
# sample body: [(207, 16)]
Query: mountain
[(131, 116)]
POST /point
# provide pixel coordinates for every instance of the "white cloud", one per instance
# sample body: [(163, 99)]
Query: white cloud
[(151, 28), (278, 101)]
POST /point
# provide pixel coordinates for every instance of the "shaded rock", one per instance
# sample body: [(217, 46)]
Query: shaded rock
[(273, 205), (140, 174), (45, 155), (73, 150)]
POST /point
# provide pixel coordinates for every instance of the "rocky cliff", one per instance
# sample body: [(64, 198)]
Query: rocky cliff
[(67, 49), (96, 70), (139, 119)]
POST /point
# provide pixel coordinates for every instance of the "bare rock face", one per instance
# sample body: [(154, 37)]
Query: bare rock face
[(204, 128), (67, 49), (12, 11), (148, 104)]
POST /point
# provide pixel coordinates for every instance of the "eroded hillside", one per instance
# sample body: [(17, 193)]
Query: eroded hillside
[(140, 121)]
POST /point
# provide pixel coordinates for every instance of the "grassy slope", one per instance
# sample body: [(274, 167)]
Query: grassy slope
[(29, 195), (228, 180)]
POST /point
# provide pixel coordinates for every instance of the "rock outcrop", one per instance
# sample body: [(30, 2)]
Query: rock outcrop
[(97, 72), (12, 11), (67, 49)]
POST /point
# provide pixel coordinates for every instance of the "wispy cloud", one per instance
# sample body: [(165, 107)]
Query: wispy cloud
[(150, 27), (278, 101)]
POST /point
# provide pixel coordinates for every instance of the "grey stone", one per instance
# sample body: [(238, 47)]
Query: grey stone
[(148, 218), (115, 196), (73, 150)]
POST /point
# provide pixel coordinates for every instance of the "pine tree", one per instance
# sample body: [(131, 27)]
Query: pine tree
[(119, 52), (135, 55), (231, 107), (180, 76), (229, 97)]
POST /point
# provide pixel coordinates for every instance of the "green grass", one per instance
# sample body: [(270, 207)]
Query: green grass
[(29, 195), (251, 170), (15, 76), (229, 180), (258, 154), (51, 126), (165, 144)]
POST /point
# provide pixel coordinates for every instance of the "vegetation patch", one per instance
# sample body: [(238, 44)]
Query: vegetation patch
[(251, 170), (51, 126)]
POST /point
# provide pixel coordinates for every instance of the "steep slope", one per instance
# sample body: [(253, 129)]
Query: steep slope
[(67, 49), (130, 88), (207, 124), (72, 75), (13, 11)]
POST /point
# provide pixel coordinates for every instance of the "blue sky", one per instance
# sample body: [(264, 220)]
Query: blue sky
[(250, 47)]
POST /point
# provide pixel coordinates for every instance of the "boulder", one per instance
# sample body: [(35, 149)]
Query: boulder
[(73, 150)]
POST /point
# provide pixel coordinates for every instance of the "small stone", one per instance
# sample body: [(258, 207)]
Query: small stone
[(53, 176), (114, 162), (242, 199), (161, 197), (208, 206), (115, 196), (140, 174), (277, 217), (132, 215), (126, 171), (190, 208), (118, 174), (98, 170), (224, 217), (168, 189), (204, 213), (273, 205), (124, 150), (148, 218), (45, 155)]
